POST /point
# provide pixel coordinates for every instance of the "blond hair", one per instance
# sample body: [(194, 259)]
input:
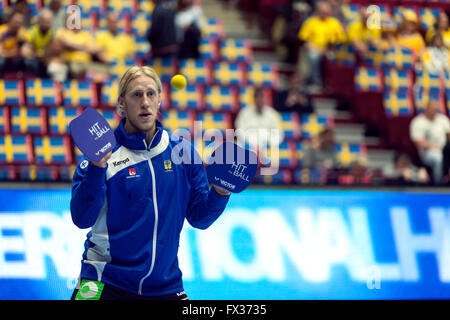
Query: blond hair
[(131, 74), (137, 71)]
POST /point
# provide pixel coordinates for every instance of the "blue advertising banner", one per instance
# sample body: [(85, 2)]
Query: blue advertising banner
[(268, 244)]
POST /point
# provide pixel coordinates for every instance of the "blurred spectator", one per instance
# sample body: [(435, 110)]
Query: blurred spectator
[(162, 35), (360, 35), (435, 57), (320, 153), (337, 12), (79, 50), (430, 131), (22, 7), (293, 98), (258, 125), (319, 31), (40, 37), (441, 26), (284, 33), (59, 15), (403, 172), (409, 35), (388, 35), (13, 36), (57, 67), (114, 46), (189, 21)]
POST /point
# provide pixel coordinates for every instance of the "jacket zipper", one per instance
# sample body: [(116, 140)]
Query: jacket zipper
[(155, 228)]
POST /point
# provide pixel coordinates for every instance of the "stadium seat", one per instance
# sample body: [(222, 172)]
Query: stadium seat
[(229, 74), (398, 103), (182, 120), (222, 99), (53, 150), (290, 125), (343, 54), (164, 67), (109, 93), (236, 50), (38, 172), (282, 177), (5, 125), (29, 120), (307, 176), (286, 154), (111, 117), (397, 13), (142, 48), (368, 79), (11, 92), (374, 57), (191, 97), (7, 172), (400, 58), (118, 68), (351, 12), (312, 124), (43, 92), (122, 6), (263, 75), (59, 119), (347, 153), (141, 23), (80, 93), (196, 71), (16, 149), (214, 29), (428, 17), (398, 80), (89, 21), (66, 172), (214, 121), (209, 49), (428, 86), (91, 6), (145, 6)]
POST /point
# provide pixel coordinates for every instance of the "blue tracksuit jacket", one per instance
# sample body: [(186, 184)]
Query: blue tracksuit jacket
[(136, 208)]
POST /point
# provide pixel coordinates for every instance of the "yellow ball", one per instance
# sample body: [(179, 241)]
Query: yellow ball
[(178, 82)]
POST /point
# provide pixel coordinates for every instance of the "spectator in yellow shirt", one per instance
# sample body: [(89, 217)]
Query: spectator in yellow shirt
[(409, 35), (360, 35), (13, 36), (114, 46), (80, 51), (40, 36), (441, 26), (318, 32)]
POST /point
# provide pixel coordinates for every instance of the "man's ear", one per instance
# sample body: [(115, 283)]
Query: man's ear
[(121, 104)]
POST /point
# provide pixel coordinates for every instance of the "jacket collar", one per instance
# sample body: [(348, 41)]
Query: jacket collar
[(136, 141)]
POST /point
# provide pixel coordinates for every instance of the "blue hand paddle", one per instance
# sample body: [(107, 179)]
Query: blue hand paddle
[(92, 134), (232, 167)]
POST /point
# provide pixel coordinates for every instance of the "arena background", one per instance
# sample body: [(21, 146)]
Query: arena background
[(302, 233)]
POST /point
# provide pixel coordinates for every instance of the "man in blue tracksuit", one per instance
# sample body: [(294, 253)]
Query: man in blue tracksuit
[(136, 199)]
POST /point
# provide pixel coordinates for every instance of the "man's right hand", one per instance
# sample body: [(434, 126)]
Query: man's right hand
[(102, 162)]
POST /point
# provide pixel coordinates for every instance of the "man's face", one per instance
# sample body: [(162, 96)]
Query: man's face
[(259, 100), (141, 103), (112, 22), (45, 22), (15, 23), (432, 109)]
